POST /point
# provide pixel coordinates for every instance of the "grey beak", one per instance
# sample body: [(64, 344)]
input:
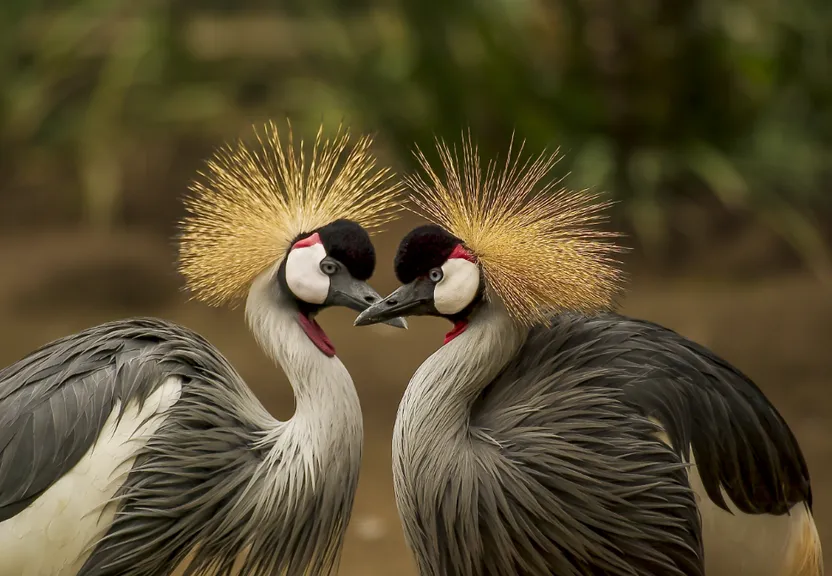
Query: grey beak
[(398, 322), (411, 299), (356, 295)]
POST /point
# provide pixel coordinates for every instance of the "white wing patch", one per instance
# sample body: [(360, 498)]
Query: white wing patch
[(304, 276), (739, 544), (55, 534), (458, 286)]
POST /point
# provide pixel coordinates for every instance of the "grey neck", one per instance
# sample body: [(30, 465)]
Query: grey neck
[(327, 419), (442, 391), (432, 435)]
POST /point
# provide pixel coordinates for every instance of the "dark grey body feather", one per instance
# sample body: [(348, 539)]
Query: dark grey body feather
[(740, 442), (191, 485), (554, 466)]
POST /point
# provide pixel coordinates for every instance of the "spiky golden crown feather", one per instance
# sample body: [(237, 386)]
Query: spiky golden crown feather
[(537, 243), (253, 201)]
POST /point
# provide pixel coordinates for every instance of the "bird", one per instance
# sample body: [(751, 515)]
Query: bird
[(550, 434), (129, 446)]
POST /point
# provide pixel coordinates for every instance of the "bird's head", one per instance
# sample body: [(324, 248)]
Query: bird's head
[(279, 224), (501, 238), (329, 267), (440, 277)]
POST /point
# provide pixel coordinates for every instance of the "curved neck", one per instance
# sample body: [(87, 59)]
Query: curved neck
[(446, 385), (326, 402)]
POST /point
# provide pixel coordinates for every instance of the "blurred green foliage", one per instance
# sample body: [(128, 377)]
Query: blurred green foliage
[(659, 103)]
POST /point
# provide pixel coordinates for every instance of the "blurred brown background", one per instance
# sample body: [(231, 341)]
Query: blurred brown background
[(710, 121)]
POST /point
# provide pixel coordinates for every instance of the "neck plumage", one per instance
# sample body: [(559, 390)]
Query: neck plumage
[(431, 437), (306, 485), (440, 395), (290, 512), (327, 419)]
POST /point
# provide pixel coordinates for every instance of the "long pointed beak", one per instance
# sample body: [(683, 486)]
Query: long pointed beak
[(357, 295), (411, 299)]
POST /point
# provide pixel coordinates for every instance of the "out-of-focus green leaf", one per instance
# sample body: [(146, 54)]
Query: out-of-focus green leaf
[(719, 173), (592, 165), (729, 99)]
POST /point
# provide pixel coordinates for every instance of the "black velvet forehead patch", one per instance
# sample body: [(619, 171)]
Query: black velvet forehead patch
[(424, 248), (349, 243)]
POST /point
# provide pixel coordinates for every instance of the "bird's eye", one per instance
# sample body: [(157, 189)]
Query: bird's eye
[(435, 275), (329, 268)]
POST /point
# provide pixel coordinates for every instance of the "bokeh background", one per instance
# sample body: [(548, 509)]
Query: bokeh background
[(709, 121)]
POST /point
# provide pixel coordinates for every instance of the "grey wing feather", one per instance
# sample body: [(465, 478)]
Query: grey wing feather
[(565, 472), (741, 444), (186, 491), (54, 403), (582, 471), (188, 488)]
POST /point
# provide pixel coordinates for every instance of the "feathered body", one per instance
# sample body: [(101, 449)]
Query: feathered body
[(130, 446), (218, 475), (549, 435), (540, 452)]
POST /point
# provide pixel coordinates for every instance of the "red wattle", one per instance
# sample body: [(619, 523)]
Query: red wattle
[(315, 333), (459, 328)]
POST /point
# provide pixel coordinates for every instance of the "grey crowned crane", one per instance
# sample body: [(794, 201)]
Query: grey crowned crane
[(131, 445), (549, 435)]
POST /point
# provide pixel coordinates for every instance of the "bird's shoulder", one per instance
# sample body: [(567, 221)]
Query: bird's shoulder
[(109, 345), (55, 401), (741, 444), (585, 477)]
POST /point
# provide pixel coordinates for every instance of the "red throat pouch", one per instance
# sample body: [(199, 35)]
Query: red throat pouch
[(315, 333), (459, 328)]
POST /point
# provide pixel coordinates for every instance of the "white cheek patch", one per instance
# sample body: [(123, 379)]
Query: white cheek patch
[(304, 276), (458, 286)]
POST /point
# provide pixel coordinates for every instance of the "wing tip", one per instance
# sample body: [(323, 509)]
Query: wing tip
[(807, 554)]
